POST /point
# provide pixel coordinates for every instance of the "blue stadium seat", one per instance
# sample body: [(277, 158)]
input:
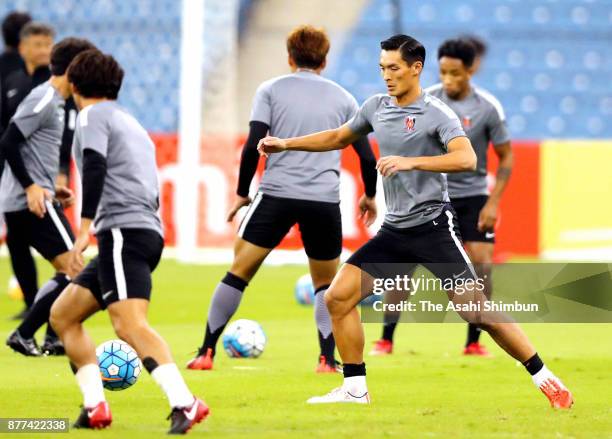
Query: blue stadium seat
[(549, 62), (143, 35)]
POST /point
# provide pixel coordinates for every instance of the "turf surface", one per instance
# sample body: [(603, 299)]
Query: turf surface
[(426, 389)]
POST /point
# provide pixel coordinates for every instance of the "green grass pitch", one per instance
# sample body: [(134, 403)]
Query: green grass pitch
[(426, 389)]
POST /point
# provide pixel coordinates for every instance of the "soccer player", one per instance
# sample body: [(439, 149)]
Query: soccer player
[(31, 201), (483, 120), (297, 187), (116, 160), (35, 44), (25, 65), (420, 140), (10, 60)]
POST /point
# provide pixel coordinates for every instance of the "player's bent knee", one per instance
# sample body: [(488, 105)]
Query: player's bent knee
[(337, 304), (55, 319), (127, 330), (59, 318)]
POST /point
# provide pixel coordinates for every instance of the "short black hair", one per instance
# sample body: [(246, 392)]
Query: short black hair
[(410, 49), (32, 28), (479, 44), (65, 51), (96, 75), (11, 26), (460, 49)]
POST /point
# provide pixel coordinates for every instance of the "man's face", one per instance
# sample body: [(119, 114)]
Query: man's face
[(397, 74), (454, 75), (36, 50)]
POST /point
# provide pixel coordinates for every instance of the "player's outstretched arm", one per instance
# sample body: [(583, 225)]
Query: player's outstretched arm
[(460, 157), (318, 142)]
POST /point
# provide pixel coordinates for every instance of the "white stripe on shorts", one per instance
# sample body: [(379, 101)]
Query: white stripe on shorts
[(451, 229), (249, 214), (59, 225), (118, 263)]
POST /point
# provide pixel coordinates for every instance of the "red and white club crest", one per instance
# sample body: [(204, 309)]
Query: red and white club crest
[(467, 121), (410, 123)]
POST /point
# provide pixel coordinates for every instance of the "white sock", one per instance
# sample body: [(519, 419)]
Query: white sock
[(356, 385), (168, 377), (543, 375), (90, 382)]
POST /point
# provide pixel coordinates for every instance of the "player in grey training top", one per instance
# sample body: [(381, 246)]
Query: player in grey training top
[(286, 104), (483, 120), (30, 199), (40, 119), (130, 197), (297, 187), (424, 139), (423, 128), (116, 159)]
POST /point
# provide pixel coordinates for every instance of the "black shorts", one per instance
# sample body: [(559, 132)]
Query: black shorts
[(270, 218), (50, 236), (436, 245), (468, 209), (122, 270)]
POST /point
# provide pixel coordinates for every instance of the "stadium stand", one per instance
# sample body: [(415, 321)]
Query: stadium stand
[(546, 62)]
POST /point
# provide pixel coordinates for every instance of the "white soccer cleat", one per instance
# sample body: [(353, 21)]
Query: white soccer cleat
[(340, 394)]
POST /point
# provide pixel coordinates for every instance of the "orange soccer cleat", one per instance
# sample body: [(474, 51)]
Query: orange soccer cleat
[(202, 361), (558, 395)]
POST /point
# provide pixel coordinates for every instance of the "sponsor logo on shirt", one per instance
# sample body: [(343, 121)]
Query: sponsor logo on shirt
[(409, 124), (466, 122)]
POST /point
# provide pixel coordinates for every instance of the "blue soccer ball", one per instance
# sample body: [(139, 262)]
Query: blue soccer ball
[(304, 290), (244, 339), (119, 364)]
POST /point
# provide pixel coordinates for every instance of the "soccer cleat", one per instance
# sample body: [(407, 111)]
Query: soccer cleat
[(325, 367), (202, 362), (476, 349), (53, 346), (340, 395), (183, 418), (25, 346), (382, 347), (96, 418), (558, 395)]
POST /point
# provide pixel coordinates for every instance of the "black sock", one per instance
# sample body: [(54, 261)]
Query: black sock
[(223, 306), (473, 334), (39, 312), (353, 370), (150, 364), (534, 364), (210, 339), (328, 346), (388, 331)]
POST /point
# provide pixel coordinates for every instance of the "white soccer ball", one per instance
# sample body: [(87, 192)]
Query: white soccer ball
[(244, 339), (304, 290)]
